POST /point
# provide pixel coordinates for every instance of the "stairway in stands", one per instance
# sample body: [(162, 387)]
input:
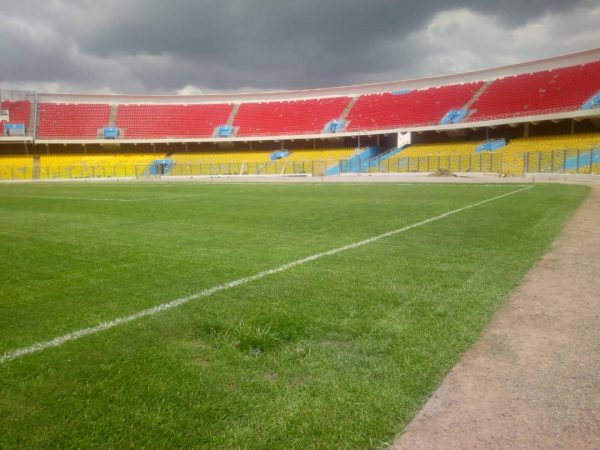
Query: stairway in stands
[(478, 94), (347, 110), (112, 118), (32, 124), (234, 111), (35, 171)]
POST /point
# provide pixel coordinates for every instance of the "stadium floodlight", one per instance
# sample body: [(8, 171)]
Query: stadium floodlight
[(3, 114)]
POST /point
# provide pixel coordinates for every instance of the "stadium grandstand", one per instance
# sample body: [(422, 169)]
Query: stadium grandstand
[(538, 116)]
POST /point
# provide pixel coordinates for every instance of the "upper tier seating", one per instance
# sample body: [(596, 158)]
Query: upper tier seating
[(564, 89), (19, 111), (421, 107), (543, 92), (71, 121), (171, 121), (288, 118)]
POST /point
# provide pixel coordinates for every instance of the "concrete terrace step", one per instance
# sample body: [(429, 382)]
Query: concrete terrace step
[(478, 94)]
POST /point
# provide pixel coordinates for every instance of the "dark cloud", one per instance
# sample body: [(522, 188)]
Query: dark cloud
[(160, 46)]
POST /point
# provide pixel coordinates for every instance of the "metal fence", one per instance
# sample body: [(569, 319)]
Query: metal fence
[(279, 167), (563, 161), (33, 171), (559, 161), (481, 162)]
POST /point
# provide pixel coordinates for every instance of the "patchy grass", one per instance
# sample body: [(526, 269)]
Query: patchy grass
[(337, 353)]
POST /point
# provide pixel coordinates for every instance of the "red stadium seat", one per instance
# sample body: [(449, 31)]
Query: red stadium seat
[(291, 117), (543, 92), (415, 108), (71, 121), (171, 121), (19, 111), (557, 90)]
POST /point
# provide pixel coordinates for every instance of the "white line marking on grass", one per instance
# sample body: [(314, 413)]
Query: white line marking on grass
[(60, 340)]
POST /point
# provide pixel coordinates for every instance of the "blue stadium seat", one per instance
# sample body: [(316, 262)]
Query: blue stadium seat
[(14, 129), (279, 154), (491, 145), (225, 130), (110, 133), (334, 126), (454, 116), (593, 102)]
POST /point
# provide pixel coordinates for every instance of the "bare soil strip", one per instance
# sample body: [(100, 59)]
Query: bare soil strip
[(533, 379)]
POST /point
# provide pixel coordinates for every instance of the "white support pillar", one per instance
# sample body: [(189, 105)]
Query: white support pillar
[(404, 139)]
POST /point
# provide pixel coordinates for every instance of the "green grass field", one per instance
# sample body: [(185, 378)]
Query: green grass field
[(336, 353)]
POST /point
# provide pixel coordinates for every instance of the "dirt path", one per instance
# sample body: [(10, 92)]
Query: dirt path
[(533, 379)]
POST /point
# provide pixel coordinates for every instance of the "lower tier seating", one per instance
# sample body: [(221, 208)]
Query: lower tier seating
[(218, 162), (221, 157), (578, 153), (16, 167), (103, 166), (452, 156), (335, 154), (443, 148), (546, 151), (257, 162)]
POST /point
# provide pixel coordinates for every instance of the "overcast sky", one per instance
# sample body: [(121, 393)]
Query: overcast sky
[(196, 46)]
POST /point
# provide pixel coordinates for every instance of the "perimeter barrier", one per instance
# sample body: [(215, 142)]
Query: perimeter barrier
[(29, 171), (480, 162), (584, 162)]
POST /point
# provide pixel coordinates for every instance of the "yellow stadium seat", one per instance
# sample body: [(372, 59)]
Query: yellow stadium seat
[(102, 166), (16, 167), (454, 156), (547, 153), (309, 161)]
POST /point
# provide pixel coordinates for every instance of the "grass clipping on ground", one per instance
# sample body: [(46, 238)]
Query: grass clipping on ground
[(442, 173)]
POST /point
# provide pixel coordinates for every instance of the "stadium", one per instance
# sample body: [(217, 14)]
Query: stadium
[(406, 264), (536, 117)]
